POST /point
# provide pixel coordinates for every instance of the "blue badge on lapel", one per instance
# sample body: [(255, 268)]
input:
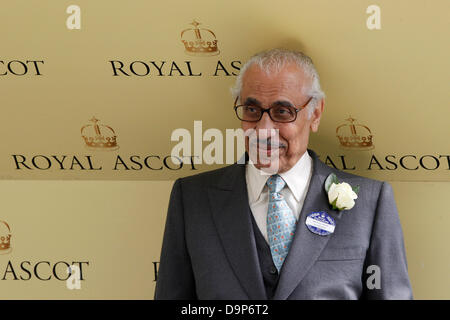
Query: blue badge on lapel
[(320, 223)]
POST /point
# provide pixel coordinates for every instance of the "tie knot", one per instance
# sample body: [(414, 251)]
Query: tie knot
[(275, 183)]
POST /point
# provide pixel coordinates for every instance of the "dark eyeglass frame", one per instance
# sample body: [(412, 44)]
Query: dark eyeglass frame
[(297, 110)]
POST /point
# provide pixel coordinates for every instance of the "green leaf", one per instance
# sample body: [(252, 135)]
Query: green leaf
[(355, 189), (335, 179), (333, 205), (330, 180)]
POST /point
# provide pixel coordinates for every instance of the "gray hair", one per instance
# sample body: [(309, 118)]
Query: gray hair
[(273, 61)]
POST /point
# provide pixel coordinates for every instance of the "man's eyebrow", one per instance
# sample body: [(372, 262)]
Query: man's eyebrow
[(282, 103), (255, 102), (252, 101)]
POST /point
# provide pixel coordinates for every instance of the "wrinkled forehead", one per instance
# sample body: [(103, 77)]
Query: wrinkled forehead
[(272, 81)]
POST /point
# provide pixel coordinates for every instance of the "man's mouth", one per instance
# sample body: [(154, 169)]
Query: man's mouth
[(266, 146)]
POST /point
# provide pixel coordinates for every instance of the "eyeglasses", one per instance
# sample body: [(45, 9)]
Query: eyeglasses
[(277, 112)]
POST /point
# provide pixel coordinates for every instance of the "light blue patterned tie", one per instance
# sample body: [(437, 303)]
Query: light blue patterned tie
[(281, 221)]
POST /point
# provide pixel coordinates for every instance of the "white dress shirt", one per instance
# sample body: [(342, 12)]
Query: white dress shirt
[(297, 182)]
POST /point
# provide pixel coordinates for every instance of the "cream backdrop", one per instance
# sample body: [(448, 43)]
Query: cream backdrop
[(65, 202)]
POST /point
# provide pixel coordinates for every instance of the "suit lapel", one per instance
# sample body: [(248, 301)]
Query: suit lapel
[(230, 210), (306, 246)]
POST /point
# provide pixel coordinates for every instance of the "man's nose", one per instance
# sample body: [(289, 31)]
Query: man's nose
[(265, 128), (265, 122)]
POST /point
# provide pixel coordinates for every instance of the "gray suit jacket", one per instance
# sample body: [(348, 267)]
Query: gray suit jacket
[(209, 250)]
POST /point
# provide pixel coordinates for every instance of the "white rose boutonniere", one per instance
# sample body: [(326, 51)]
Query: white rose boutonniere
[(341, 195)]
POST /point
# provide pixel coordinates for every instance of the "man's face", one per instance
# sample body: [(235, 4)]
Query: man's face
[(284, 87)]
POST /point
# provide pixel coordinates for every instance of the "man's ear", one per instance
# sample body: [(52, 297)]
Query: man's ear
[(316, 115)]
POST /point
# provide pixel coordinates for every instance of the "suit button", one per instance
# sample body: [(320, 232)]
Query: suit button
[(273, 270)]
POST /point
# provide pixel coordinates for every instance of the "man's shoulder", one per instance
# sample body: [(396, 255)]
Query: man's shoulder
[(345, 176), (370, 190), (225, 176), (214, 177)]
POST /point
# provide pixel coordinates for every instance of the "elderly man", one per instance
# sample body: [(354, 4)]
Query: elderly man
[(272, 228)]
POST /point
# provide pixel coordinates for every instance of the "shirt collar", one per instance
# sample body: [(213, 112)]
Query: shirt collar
[(256, 180), (296, 178)]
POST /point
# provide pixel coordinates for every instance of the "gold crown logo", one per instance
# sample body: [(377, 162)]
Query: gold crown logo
[(99, 137), (199, 43), (354, 136), (5, 238)]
